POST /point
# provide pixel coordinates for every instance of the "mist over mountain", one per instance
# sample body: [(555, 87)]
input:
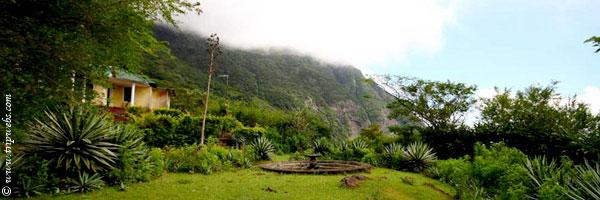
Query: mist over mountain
[(282, 78)]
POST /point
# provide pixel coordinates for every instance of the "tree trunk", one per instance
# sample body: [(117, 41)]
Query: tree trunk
[(205, 110)]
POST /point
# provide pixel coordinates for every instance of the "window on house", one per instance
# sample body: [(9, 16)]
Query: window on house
[(127, 94)]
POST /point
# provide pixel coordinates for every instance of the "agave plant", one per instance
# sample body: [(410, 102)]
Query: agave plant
[(540, 169), (76, 140), (586, 183), (262, 148), (128, 137), (31, 187), (392, 149), (359, 144), (419, 156), (342, 146), (86, 183), (321, 147)]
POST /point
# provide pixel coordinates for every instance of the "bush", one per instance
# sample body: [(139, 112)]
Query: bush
[(371, 158), (210, 159), (243, 135), (162, 130), (137, 111), (34, 175), (171, 127), (169, 112), (494, 172)]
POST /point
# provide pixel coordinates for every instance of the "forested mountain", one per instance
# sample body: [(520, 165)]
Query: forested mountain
[(283, 79)]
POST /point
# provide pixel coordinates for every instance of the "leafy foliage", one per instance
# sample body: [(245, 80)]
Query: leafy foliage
[(46, 43), (534, 122), (208, 160), (596, 42), (495, 172), (437, 105)]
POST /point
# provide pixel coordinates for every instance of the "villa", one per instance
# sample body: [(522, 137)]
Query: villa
[(128, 90)]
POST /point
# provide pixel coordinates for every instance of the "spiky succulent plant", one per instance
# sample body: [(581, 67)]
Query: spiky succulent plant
[(419, 156), (586, 183), (263, 148), (86, 183), (359, 144), (393, 149), (77, 139)]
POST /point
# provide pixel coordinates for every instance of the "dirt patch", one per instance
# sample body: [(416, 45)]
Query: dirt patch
[(352, 181), (269, 189)]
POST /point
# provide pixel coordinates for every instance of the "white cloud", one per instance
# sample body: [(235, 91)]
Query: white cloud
[(474, 114), (591, 96), (347, 31)]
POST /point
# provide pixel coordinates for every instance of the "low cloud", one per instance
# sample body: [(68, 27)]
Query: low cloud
[(591, 96), (343, 31)]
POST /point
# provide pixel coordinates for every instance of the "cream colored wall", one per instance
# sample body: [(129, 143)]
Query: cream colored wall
[(101, 93), (160, 98), (143, 96), (116, 99), (149, 97)]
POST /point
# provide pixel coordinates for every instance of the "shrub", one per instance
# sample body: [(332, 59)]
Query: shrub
[(160, 131), (419, 156), (371, 158), (209, 160), (33, 175), (169, 112), (77, 140), (262, 148), (137, 110), (242, 134), (496, 172)]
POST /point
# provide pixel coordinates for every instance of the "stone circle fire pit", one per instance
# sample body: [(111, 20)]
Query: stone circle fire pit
[(314, 166)]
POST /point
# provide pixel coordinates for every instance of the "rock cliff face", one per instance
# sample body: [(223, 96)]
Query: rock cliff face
[(288, 81)]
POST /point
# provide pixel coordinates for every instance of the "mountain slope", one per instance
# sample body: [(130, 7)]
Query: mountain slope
[(284, 79)]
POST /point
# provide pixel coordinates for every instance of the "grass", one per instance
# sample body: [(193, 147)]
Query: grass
[(257, 184)]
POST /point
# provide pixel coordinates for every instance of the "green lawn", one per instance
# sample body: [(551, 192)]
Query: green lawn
[(253, 184)]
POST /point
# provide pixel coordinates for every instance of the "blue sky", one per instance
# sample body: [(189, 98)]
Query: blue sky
[(514, 44)]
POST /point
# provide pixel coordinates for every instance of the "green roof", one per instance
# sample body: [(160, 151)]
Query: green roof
[(121, 74)]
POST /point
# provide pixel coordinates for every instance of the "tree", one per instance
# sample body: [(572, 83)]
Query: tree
[(213, 51), (437, 105), (49, 48), (596, 42), (538, 120)]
